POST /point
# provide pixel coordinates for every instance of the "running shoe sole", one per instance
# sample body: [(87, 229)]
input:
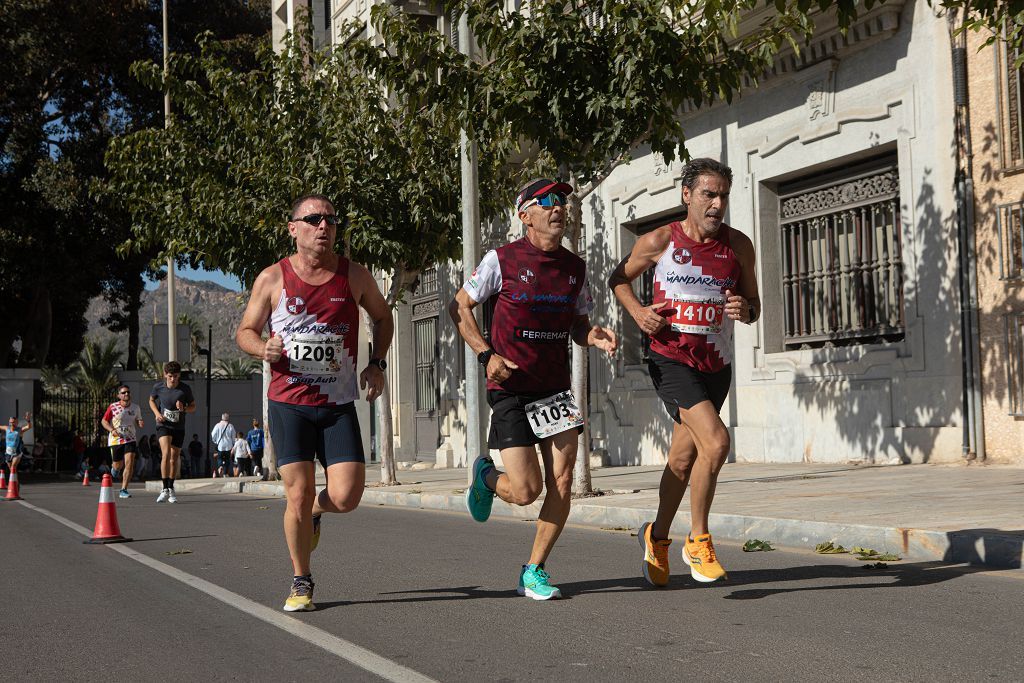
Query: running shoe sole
[(643, 563), (526, 592), (300, 608), (693, 572)]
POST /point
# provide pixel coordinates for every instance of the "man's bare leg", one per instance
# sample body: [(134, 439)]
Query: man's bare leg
[(712, 441), (300, 493), (559, 454), (681, 456)]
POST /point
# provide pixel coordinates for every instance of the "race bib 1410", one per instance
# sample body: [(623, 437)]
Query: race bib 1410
[(554, 414), (698, 315)]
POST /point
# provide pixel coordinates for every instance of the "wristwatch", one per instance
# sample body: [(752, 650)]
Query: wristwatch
[(484, 356), (380, 363)]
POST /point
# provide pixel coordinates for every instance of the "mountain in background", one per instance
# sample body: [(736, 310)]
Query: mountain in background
[(206, 303)]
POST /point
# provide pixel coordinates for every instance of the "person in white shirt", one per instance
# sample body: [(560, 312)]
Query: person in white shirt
[(223, 436), (242, 455)]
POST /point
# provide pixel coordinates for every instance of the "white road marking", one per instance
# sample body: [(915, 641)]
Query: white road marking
[(361, 657)]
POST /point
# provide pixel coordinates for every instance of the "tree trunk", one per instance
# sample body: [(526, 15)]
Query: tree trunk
[(581, 482), (385, 419), (269, 459)]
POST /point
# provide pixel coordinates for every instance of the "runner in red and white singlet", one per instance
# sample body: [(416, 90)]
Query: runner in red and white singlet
[(541, 301), (311, 301), (704, 280), (690, 282), (318, 327)]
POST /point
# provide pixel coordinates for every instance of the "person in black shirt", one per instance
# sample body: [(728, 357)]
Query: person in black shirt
[(170, 400)]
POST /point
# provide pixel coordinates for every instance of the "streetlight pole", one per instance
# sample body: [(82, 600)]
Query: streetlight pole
[(470, 248), (172, 329)]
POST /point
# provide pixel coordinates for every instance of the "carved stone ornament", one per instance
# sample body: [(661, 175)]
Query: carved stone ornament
[(427, 308), (835, 197)]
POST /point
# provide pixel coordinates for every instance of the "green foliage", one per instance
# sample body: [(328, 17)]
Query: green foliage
[(94, 370), (217, 185), (236, 368), (999, 19), (755, 545)]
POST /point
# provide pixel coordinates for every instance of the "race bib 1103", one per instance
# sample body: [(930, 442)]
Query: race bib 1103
[(554, 414)]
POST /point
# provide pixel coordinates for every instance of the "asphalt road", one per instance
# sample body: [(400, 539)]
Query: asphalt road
[(435, 593)]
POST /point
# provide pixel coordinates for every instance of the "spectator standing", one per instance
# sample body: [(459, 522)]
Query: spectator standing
[(78, 448), (255, 439), (223, 436), (240, 451), (195, 457)]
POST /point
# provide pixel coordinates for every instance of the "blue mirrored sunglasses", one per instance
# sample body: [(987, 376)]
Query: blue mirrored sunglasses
[(551, 199)]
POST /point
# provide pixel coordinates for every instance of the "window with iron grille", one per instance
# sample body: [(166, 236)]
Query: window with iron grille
[(425, 333), (842, 260), (1010, 102), (1013, 331), (1010, 222), (428, 282)]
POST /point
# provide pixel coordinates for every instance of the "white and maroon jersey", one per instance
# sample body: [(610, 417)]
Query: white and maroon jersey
[(319, 326), (691, 278), (123, 419), (537, 295)]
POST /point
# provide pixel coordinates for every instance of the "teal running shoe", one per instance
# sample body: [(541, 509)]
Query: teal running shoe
[(533, 583), (479, 498)]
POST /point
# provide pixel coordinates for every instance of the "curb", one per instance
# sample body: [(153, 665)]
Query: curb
[(987, 547)]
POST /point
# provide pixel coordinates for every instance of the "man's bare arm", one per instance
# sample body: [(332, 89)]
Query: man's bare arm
[(645, 255), (249, 335), (461, 312)]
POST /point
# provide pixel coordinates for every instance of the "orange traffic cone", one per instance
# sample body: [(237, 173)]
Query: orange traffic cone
[(107, 530), (13, 490), (85, 478), (3, 480)]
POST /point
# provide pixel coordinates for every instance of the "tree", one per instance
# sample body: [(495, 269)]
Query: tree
[(65, 89), (247, 142), (236, 368), (94, 372)]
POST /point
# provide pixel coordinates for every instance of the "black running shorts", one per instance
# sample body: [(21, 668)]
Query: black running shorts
[(328, 433), (177, 435), (117, 452), (680, 386), (509, 425)]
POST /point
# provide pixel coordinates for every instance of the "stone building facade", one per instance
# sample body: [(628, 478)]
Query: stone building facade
[(844, 174)]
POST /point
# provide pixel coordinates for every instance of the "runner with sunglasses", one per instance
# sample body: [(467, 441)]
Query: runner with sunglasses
[(704, 281), (121, 420), (311, 300), (541, 300)]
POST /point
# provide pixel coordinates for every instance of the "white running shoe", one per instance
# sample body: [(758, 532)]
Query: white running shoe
[(163, 495), (171, 498)]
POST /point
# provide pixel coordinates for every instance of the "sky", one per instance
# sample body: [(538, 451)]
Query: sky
[(229, 281)]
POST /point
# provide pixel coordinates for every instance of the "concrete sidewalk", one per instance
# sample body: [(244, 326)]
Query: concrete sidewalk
[(952, 513)]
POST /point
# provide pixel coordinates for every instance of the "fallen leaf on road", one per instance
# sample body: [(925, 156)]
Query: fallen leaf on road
[(882, 557), (458, 491), (615, 528), (876, 565), (179, 551), (263, 507), (755, 545), (827, 548)]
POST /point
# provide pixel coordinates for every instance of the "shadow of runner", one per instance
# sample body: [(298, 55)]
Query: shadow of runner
[(173, 538), (453, 593), (999, 548), (905, 575)]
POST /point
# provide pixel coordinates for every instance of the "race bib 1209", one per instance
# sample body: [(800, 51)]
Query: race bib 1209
[(698, 315), (315, 354), (554, 414)]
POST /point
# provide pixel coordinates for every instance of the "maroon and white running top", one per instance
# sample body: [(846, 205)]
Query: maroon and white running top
[(319, 327), (537, 295), (691, 278)]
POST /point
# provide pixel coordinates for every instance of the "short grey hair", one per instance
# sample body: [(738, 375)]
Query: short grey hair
[(704, 166)]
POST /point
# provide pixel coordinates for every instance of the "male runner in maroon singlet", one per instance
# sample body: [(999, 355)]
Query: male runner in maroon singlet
[(541, 301), (704, 279), (311, 300)]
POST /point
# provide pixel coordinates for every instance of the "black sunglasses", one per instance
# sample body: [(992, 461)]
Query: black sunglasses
[(315, 218)]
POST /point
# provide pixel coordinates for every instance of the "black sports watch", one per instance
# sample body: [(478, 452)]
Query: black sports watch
[(484, 356), (380, 363)]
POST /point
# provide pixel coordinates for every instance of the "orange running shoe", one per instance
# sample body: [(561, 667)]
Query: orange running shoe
[(655, 564), (699, 553)]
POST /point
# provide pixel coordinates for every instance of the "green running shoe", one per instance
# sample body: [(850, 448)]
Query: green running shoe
[(479, 498), (316, 533), (533, 583)]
